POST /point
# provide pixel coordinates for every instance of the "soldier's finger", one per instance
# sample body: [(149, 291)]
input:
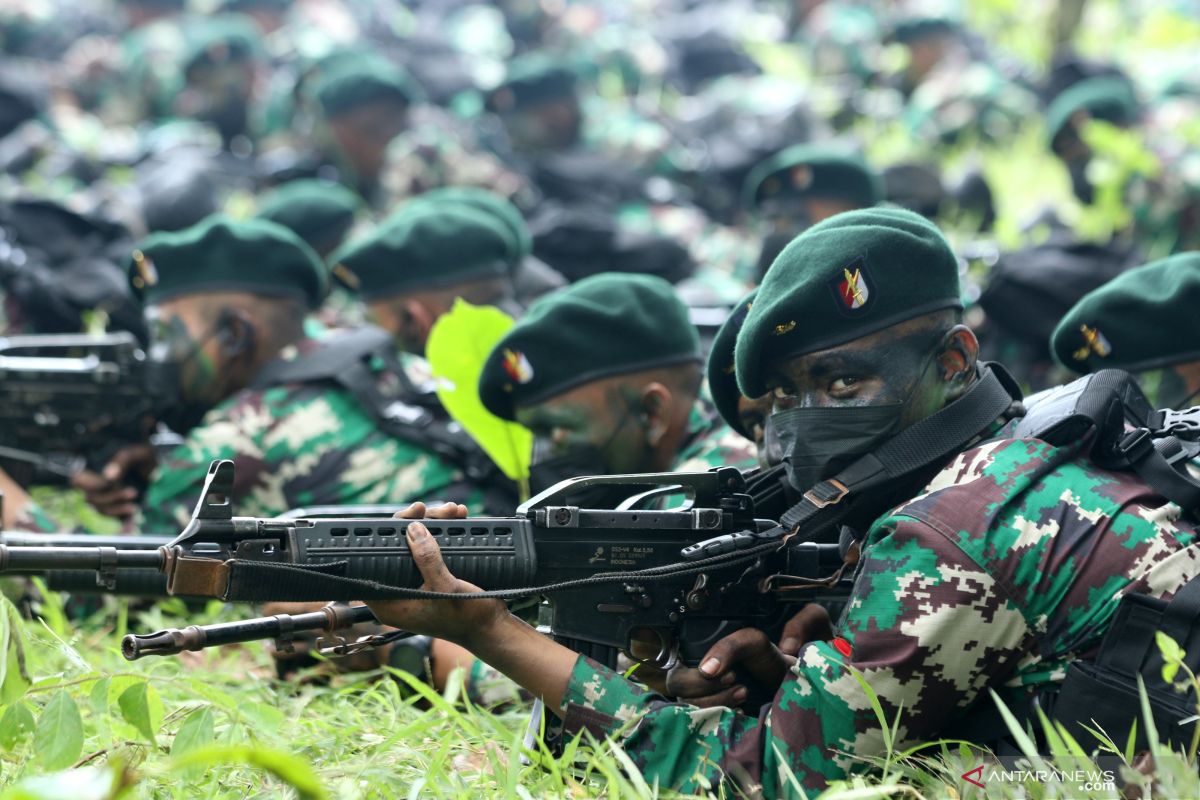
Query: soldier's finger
[(729, 698), (738, 646), (428, 557), (448, 511), (88, 481), (107, 499), (811, 624), (687, 684), (127, 458), (414, 511)]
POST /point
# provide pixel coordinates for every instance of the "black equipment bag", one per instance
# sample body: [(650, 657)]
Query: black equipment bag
[(1103, 694)]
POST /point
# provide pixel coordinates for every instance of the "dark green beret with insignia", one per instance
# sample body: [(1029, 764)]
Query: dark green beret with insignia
[(1108, 99), (813, 170), (354, 82), (1142, 319), (530, 81), (722, 377), (917, 29), (314, 210), (507, 214), (221, 254), (605, 325), (844, 278), (225, 39), (424, 246)]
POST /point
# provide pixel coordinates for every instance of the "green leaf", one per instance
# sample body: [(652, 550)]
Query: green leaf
[(1172, 655), (141, 708), (98, 697), (14, 677), (195, 732), (459, 344), (15, 725), (88, 783), (290, 769), (58, 737)]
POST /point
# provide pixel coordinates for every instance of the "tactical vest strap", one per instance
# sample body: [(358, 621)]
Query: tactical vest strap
[(1127, 433), (352, 361)]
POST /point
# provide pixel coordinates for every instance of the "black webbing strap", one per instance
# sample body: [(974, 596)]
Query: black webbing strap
[(918, 446), (328, 360)]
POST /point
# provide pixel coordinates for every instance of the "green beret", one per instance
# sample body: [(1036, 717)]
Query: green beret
[(221, 254), (252, 5), (844, 278), (1108, 99), (916, 29), (424, 246), (722, 377), (228, 38), (314, 210), (507, 214), (350, 83), (813, 170), (1142, 319), (530, 81), (605, 325)]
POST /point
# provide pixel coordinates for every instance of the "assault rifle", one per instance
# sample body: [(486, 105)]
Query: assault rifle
[(68, 401), (661, 586)]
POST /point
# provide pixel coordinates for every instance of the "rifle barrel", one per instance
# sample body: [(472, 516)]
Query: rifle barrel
[(38, 559), (198, 637)]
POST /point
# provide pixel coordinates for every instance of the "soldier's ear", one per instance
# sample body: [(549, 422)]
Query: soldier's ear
[(417, 319), (958, 357), (657, 401)]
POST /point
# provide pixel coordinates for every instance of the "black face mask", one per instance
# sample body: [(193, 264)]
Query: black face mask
[(578, 461), (817, 443)]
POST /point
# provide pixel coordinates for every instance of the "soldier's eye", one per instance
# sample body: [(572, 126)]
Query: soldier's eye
[(846, 383)]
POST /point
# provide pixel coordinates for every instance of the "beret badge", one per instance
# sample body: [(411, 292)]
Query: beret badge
[(1093, 342), (517, 366), (852, 288)]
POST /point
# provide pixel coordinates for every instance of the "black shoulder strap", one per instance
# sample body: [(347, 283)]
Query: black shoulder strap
[(353, 361), (328, 360)]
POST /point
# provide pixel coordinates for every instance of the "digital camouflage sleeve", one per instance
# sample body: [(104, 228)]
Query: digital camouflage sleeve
[(297, 446), (1008, 567)]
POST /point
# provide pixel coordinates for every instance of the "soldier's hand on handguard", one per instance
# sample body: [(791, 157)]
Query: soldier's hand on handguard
[(458, 621), (745, 667), (111, 491)]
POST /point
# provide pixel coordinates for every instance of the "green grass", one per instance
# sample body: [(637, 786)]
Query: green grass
[(217, 724)]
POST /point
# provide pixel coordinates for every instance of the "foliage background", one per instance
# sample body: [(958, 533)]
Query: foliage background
[(78, 722)]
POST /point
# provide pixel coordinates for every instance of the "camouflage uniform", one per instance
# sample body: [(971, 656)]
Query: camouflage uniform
[(1009, 566), (297, 445), (711, 443), (34, 518)]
